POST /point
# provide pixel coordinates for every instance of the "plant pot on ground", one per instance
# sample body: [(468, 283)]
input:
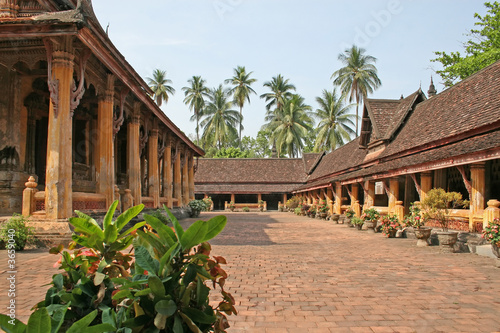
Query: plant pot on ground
[(390, 225), (437, 205), (357, 223), (491, 234), (370, 217), (415, 221), (335, 218)]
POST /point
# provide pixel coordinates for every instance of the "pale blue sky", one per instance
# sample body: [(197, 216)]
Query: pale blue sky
[(299, 39)]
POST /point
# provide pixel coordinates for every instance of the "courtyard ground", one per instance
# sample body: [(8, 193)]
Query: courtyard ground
[(294, 274)]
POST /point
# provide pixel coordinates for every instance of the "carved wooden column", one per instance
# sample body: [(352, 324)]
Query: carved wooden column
[(354, 193), (185, 177), (338, 198), (153, 175), (191, 175), (330, 197), (134, 156), (477, 171), (393, 194), (425, 184), (167, 173), (58, 179), (177, 175), (369, 192), (105, 168)]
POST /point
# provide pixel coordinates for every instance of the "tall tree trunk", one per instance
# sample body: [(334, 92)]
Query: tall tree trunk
[(241, 119)]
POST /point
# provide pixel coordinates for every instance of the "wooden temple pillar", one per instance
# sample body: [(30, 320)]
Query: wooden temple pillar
[(330, 200), (354, 194), (478, 189), (59, 168), (233, 197), (338, 198), (369, 192), (167, 173), (177, 176), (393, 194), (191, 176), (134, 155), (425, 184), (185, 178), (153, 173)]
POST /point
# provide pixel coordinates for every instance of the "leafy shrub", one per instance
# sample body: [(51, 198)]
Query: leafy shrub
[(350, 213), (370, 214), (414, 219), (16, 234), (390, 223), (196, 207), (208, 203), (491, 233), (437, 204), (245, 209), (293, 202), (161, 215), (164, 290)]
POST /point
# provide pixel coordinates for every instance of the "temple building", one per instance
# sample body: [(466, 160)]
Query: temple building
[(407, 146), (78, 121)]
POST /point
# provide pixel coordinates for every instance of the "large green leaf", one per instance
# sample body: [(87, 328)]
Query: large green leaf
[(166, 308), (82, 324), (194, 235), (156, 286), (18, 326), (100, 328), (178, 325), (144, 259), (192, 326), (85, 226), (57, 317), (129, 230), (108, 218), (178, 229), (39, 322), (166, 234), (215, 226), (167, 256), (153, 241), (110, 234), (198, 316), (126, 216)]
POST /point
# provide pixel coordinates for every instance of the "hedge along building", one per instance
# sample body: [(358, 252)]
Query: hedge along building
[(248, 180), (409, 146), (77, 117)]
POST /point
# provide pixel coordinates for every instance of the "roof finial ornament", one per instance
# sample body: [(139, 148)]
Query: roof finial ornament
[(402, 96), (432, 89)]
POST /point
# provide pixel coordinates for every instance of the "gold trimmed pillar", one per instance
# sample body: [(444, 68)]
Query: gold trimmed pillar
[(177, 176), (338, 198), (185, 178), (393, 194), (191, 176), (477, 172), (369, 188), (59, 168), (425, 184), (153, 175), (134, 155), (105, 167), (167, 173)]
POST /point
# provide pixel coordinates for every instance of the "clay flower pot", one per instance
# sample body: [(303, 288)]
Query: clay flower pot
[(447, 241), (423, 234)]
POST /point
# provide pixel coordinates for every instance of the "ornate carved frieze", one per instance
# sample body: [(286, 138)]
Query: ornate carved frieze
[(118, 121), (53, 84), (77, 92), (467, 182), (143, 140)]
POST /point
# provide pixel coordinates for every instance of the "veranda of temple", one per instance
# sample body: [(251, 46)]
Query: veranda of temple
[(407, 147), (76, 117)]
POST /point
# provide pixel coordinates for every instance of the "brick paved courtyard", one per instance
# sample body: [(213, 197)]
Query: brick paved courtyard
[(294, 274)]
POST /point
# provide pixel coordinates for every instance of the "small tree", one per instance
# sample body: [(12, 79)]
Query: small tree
[(438, 203)]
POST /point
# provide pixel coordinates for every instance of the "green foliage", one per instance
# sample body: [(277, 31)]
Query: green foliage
[(370, 214), (481, 50), (245, 209), (196, 207), (208, 203), (323, 207), (350, 213), (162, 216), (231, 152), (293, 202), (414, 219), (161, 86), (492, 232), (102, 290), (390, 223), (356, 221), (298, 210), (16, 234), (438, 203), (194, 97)]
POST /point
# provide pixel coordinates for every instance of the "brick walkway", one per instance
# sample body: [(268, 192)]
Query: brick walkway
[(294, 274)]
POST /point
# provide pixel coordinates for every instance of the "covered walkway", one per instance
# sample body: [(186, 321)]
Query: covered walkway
[(295, 274)]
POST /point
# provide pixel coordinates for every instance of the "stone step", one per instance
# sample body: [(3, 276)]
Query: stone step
[(485, 250)]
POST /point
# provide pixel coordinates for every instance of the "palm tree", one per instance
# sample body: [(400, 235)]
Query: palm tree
[(293, 126), (241, 91), (160, 86), (195, 96), (219, 124), (335, 122), (281, 90), (358, 77)]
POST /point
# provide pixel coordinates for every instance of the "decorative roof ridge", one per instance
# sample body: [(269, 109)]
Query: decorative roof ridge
[(315, 163), (414, 96)]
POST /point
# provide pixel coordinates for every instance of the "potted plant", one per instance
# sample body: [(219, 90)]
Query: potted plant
[(311, 212), (437, 205), (261, 205), (370, 216), (491, 234), (208, 203), (245, 209), (15, 234), (349, 214), (415, 221), (196, 207), (281, 207), (357, 222), (390, 225), (323, 209), (304, 209), (231, 206)]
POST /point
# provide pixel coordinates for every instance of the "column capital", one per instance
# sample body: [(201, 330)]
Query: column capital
[(478, 166), (154, 133)]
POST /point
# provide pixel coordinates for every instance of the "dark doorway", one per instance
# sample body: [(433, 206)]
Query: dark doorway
[(219, 200), (42, 127), (272, 200)]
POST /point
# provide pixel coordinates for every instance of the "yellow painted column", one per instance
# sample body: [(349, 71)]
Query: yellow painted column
[(478, 183), (106, 168), (338, 198), (369, 194), (134, 156), (177, 176), (58, 176), (185, 178), (330, 200), (393, 194), (167, 173), (425, 184), (153, 175), (233, 197), (191, 176), (354, 193)]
